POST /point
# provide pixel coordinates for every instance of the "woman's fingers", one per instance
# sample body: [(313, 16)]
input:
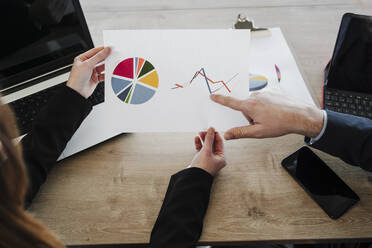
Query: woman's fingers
[(101, 77), (100, 68), (218, 144), (100, 56), (198, 143), (202, 135), (90, 53), (209, 140)]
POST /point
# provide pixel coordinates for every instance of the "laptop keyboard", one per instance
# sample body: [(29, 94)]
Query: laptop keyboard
[(27, 108), (348, 103)]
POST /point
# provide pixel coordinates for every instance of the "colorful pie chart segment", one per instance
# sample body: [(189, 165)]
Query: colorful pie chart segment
[(257, 82), (135, 80)]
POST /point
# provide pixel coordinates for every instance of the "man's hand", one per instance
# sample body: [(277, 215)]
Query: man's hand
[(210, 156), (271, 114), (86, 73)]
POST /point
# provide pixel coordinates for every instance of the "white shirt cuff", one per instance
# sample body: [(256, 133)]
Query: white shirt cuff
[(325, 120)]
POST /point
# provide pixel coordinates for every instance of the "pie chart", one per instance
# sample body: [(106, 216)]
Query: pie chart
[(134, 80), (257, 82)]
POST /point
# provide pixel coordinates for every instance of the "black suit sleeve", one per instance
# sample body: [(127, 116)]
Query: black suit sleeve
[(52, 129), (180, 220), (349, 138)]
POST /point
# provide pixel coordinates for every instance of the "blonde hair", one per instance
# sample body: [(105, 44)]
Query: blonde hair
[(17, 228)]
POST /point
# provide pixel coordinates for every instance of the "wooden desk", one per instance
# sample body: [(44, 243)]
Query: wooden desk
[(111, 193)]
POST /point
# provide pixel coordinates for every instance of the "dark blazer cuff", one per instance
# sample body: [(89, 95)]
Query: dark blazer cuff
[(195, 173), (68, 102), (347, 137), (73, 99)]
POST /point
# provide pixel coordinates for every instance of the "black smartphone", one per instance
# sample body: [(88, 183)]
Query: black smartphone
[(320, 182)]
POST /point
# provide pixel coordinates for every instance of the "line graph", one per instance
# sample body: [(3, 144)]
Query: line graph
[(208, 81)]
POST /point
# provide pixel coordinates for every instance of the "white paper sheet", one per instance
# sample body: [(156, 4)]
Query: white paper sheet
[(268, 51), (176, 56)]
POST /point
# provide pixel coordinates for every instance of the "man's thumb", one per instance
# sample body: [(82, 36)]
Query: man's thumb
[(251, 131)]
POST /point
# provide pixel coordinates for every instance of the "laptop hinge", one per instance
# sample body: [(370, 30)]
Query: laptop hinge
[(36, 80)]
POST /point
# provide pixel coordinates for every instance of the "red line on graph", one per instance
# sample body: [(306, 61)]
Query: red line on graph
[(207, 79), (213, 82)]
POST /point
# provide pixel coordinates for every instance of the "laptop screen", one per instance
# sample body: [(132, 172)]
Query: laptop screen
[(351, 65), (39, 36)]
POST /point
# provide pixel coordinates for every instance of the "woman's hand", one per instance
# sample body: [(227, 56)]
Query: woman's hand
[(86, 73), (210, 156)]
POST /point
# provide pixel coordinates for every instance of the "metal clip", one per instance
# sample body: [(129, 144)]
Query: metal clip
[(244, 23)]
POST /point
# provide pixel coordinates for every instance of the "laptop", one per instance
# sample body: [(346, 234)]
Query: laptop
[(41, 40), (348, 76)]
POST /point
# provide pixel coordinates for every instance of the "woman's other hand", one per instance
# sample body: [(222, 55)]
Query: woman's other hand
[(210, 152), (87, 71)]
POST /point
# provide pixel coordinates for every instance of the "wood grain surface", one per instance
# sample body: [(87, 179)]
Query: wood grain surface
[(111, 193)]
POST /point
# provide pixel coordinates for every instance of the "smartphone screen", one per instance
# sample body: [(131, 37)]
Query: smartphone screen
[(320, 182)]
